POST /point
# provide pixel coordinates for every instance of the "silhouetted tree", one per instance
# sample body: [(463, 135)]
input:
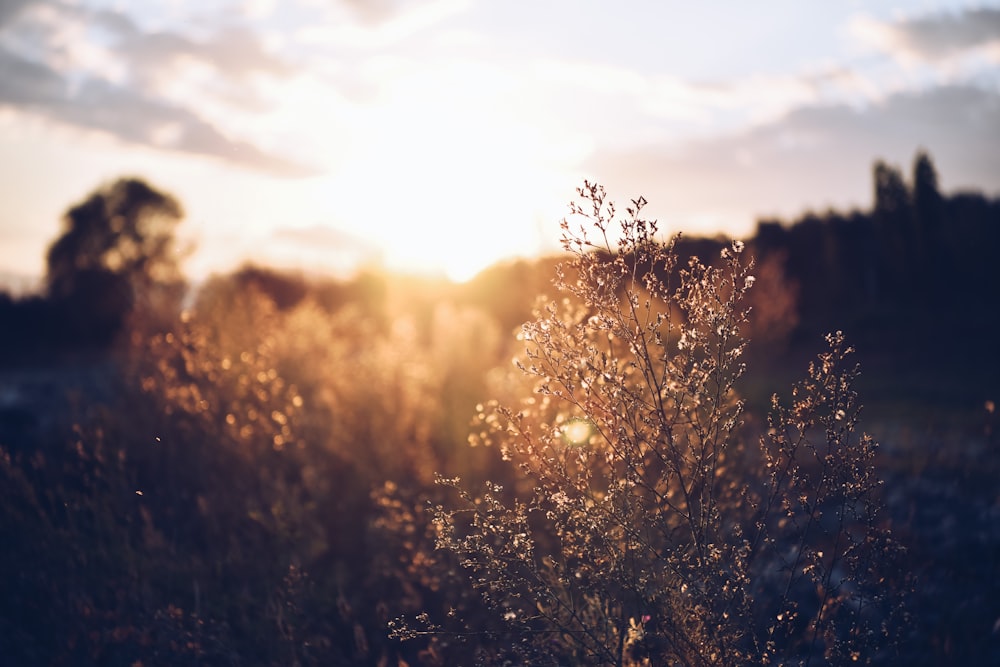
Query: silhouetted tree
[(117, 253), (928, 216), (892, 222), (285, 289)]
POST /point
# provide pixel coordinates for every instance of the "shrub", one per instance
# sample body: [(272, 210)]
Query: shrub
[(647, 525)]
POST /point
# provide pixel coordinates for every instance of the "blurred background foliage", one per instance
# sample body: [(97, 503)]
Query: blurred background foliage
[(239, 472)]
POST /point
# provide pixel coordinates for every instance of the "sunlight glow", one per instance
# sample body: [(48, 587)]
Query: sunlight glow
[(577, 431), (443, 186)]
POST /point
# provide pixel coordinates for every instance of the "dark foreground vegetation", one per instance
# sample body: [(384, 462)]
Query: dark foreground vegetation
[(280, 472)]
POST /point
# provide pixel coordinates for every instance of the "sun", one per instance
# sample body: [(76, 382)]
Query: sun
[(577, 431), (446, 190)]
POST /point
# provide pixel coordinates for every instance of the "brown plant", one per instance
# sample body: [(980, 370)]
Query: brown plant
[(645, 527)]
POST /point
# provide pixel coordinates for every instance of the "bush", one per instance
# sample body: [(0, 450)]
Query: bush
[(646, 523)]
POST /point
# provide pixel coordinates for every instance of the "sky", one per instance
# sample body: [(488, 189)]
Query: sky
[(445, 135)]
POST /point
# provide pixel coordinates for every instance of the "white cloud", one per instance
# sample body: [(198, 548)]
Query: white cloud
[(382, 24), (258, 10), (935, 36), (937, 40), (634, 106)]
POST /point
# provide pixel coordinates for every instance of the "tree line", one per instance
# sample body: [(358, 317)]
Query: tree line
[(916, 253), (916, 258)]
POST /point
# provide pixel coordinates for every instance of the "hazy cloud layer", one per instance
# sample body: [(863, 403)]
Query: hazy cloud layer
[(318, 248), (234, 52), (29, 83), (115, 79), (376, 11), (944, 34), (934, 36), (9, 9), (307, 75), (821, 156)]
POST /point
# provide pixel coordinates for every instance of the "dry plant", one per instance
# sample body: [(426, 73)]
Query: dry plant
[(645, 527)]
